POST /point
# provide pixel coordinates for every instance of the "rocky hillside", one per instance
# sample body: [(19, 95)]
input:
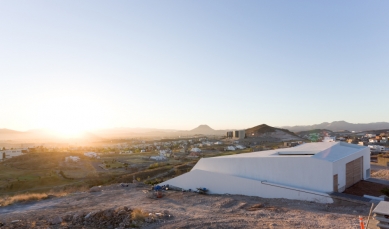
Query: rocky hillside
[(263, 128), (271, 133)]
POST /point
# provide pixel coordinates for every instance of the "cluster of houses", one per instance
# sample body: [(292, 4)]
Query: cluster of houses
[(77, 158), (376, 142), (163, 155), (372, 138), (320, 136)]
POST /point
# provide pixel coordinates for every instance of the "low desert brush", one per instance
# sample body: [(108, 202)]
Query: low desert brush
[(138, 215), (7, 200), (22, 197)]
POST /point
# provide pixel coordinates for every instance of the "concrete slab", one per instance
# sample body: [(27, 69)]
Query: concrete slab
[(382, 208)]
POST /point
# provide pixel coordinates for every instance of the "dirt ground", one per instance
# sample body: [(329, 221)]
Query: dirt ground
[(181, 210)]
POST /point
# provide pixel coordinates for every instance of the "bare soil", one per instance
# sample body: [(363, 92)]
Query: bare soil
[(180, 210)]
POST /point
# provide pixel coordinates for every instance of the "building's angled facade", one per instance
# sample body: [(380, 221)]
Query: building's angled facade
[(307, 172)]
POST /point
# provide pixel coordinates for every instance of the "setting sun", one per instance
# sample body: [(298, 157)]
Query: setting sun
[(68, 131), (70, 116)]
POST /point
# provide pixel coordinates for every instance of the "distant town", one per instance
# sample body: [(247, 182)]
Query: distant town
[(262, 137)]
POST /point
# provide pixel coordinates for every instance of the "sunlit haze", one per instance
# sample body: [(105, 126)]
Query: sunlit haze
[(71, 66)]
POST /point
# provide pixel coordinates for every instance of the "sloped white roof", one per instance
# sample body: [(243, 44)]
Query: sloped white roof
[(328, 151)]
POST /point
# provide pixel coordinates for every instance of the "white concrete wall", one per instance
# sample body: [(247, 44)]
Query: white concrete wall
[(299, 172), (339, 167), (218, 183)]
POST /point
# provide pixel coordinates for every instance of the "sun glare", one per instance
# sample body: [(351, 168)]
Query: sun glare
[(68, 131), (71, 116)]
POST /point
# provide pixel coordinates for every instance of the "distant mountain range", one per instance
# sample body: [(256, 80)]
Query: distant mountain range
[(203, 129), (98, 135), (143, 132), (341, 126)]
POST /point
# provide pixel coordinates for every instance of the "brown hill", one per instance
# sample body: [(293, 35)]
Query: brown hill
[(263, 129)]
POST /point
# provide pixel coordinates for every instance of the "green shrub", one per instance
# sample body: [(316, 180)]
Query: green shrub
[(385, 191), (153, 166)]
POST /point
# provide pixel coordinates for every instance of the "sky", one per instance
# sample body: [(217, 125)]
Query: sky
[(81, 65)]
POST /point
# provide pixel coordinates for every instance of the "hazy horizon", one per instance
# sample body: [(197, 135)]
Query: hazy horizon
[(74, 66), (182, 129)]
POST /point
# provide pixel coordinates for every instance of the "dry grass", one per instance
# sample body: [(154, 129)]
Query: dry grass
[(8, 200), (139, 215), (22, 198), (69, 189)]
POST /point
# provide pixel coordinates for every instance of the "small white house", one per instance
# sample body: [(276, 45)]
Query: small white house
[(72, 159), (240, 147), (158, 158), (328, 139), (91, 154), (197, 150), (230, 148), (309, 172), (373, 140), (376, 148)]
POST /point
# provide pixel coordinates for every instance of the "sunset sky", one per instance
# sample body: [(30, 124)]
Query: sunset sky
[(80, 65)]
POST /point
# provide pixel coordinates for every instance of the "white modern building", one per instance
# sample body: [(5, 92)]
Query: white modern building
[(9, 153), (306, 172), (236, 134)]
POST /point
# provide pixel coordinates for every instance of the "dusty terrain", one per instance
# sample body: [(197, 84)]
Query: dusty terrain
[(111, 206)]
